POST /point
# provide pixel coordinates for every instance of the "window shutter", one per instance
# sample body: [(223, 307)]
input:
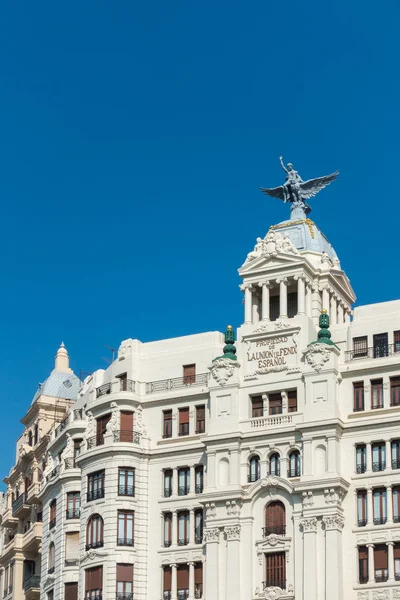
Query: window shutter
[(275, 569), (125, 573), (102, 425), (200, 412), (381, 556), (72, 545), (275, 515), (182, 575), (275, 401), (167, 579), (198, 572), (189, 373), (363, 553), (183, 416), (292, 401), (71, 591), (126, 426), (396, 551)]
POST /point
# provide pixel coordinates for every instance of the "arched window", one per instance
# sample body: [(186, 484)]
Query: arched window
[(275, 519), (254, 469), (36, 435), (30, 437), (94, 532), (275, 464), (53, 513), (294, 464), (51, 558)]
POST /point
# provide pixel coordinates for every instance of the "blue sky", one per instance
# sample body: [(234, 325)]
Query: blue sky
[(133, 139)]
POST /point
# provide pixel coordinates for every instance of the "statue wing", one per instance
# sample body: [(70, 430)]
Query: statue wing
[(274, 192), (313, 186)]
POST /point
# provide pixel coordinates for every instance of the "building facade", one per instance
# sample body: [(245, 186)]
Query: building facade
[(265, 468)]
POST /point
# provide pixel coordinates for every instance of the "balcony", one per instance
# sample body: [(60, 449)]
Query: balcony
[(183, 490), (53, 474), (124, 596), (95, 494), (200, 426), (13, 545), (378, 466), (71, 562), (374, 352), (98, 544), (8, 520), (52, 523), (103, 390), (395, 463), (280, 583), (130, 437), (73, 513), (167, 543), (69, 463), (125, 385), (362, 522), (96, 440), (380, 520), (32, 539), (363, 579), (126, 490), (32, 583), (177, 383), (274, 529), (20, 507), (274, 421), (167, 492), (125, 541), (183, 541), (183, 594), (167, 595), (32, 494)]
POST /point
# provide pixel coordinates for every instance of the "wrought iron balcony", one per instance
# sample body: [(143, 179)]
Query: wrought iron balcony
[(124, 596), (127, 385), (183, 541), (274, 529), (96, 440), (381, 578), (61, 426), (167, 595), (32, 582), (167, 492), (280, 583), (379, 466), (362, 522), (166, 385), (198, 591), (183, 490), (52, 523), (73, 513), (396, 518), (132, 437), (125, 541), (199, 488), (126, 490), (183, 429), (95, 494), (380, 520), (183, 594), (361, 468), (98, 544), (103, 390), (71, 562), (397, 576), (395, 463), (18, 504), (53, 474), (373, 352)]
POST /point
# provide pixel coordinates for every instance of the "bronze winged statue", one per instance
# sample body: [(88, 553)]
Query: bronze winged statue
[(296, 190)]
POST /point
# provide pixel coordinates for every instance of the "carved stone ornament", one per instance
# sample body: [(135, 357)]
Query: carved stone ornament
[(233, 507), (49, 465), (363, 595), (92, 555), (308, 499), (233, 533), (273, 244), (316, 356), (309, 525), (333, 522), (270, 593), (211, 535), (272, 540), (380, 595), (211, 510), (277, 325), (68, 451), (222, 369), (113, 423), (90, 427), (48, 581), (396, 594), (269, 481)]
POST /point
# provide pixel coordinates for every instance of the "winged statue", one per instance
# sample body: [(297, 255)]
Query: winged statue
[(296, 190)]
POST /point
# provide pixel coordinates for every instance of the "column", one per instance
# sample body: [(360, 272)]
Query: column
[(368, 456), (255, 307), (340, 314), (388, 454), (192, 481), (210, 469), (174, 589), (191, 580), (325, 299), (371, 563), (316, 303), (247, 303), (265, 285), (390, 560), (174, 532), (282, 297), (333, 310), (347, 315), (308, 300), (333, 556), (191, 526), (389, 504), (332, 454), (301, 295), (370, 509), (309, 558), (211, 538), (174, 481), (233, 562)]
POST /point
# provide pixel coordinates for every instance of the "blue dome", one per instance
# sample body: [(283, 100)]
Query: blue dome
[(59, 385), (305, 235)]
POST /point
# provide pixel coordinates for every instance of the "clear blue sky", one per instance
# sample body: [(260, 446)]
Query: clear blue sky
[(133, 139)]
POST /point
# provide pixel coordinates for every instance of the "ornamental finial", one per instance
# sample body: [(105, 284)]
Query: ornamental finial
[(229, 348), (324, 335)]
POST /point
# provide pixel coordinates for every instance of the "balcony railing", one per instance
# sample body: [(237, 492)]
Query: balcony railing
[(397, 576), (275, 529), (32, 582), (167, 543), (378, 466), (252, 477), (53, 474), (198, 539), (61, 426), (363, 579), (361, 468), (280, 583), (166, 385), (381, 578), (183, 594), (125, 541), (199, 488), (362, 522), (127, 385), (183, 490), (103, 390), (200, 426), (94, 596), (167, 492), (380, 520), (395, 463), (374, 352), (126, 490), (51, 570), (95, 494), (52, 523), (124, 596), (167, 595), (73, 513), (18, 503), (396, 518), (183, 541), (271, 421), (96, 440), (132, 437), (198, 591), (98, 544), (71, 562)]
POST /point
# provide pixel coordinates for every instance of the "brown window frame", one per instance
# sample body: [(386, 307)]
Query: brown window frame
[(167, 423), (53, 513), (376, 393), (184, 419), (90, 583), (183, 541), (292, 400), (257, 407), (95, 532), (126, 517), (363, 566), (201, 418), (396, 341), (395, 391), (199, 474), (358, 396), (95, 485), (125, 474), (275, 518), (275, 570), (275, 403), (189, 373), (73, 510), (380, 519)]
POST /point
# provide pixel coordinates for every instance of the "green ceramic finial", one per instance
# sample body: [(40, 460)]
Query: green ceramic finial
[(324, 335), (229, 348)]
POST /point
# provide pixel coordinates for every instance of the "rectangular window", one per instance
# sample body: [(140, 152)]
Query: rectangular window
[(379, 500), (167, 576), (95, 488), (292, 304), (52, 514), (273, 308), (77, 449), (378, 457), (73, 505), (168, 483), (199, 477), (71, 548), (362, 516), (198, 526), (275, 403), (126, 481), (381, 346), (395, 454), (183, 528), (200, 419), (167, 423), (126, 426), (396, 341), (50, 595), (94, 583), (396, 553), (189, 374), (292, 401), (182, 580), (377, 393), (123, 380), (101, 428), (396, 504), (167, 529), (183, 421), (363, 564), (183, 481), (126, 524), (395, 391), (358, 393), (360, 346), (198, 580), (275, 570), (381, 562), (124, 582), (257, 407), (361, 458)]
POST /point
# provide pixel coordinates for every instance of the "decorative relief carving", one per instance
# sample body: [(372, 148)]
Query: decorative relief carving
[(333, 522), (232, 533), (380, 595), (277, 325), (363, 595), (308, 499), (233, 507), (333, 497), (90, 427), (211, 510), (113, 423), (396, 594), (222, 369), (211, 535), (309, 525), (270, 593), (269, 481), (273, 244), (92, 555), (316, 356)]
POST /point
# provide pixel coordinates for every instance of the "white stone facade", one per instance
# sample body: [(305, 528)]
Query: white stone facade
[(284, 486)]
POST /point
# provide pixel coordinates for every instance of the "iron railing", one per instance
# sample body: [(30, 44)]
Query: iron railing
[(71, 562), (361, 468), (126, 490), (98, 544), (73, 513), (122, 435), (275, 529), (373, 352), (183, 594), (166, 385), (395, 463), (381, 578), (183, 541), (167, 492), (183, 490), (379, 466), (103, 390), (31, 582), (362, 522), (96, 440), (95, 494), (397, 576), (200, 426), (396, 519), (127, 385), (19, 502), (167, 595), (380, 520), (125, 541), (52, 523), (124, 596), (53, 474), (183, 429), (90, 596), (198, 591), (167, 543), (199, 488), (280, 583), (61, 426)]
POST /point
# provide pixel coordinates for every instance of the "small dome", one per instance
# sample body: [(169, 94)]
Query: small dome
[(59, 385), (305, 235)]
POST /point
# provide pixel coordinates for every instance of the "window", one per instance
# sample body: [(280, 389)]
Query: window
[(183, 421), (362, 516), (126, 481), (51, 561), (77, 449), (126, 426), (361, 458), (274, 464), (377, 393), (53, 511), (101, 428), (94, 532), (381, 562), (94, 583), (254, 469), (71, 548), (275, 574), (30, 438), (168, 483), (167, 529), (70, 591), (396, 340), (378, 457), (73, 505), (294, 464), (257, 407), (167, 423), (183, 528), (395, 391), (183, 481), (396, 553), (199, 477), (379, 500), (50, 595), (360, 346), (275, 403), (198, 526), (358, 392), (396, 504), (275, 519), (124, 582), (395, 454), (292, 401), (200, 419), (95, 486), (381, 346), (182, 580), (273, 308), (198, 580), (363, 564), (126, 525), (189, 374), (292, 304), (36, 435), (123, 380), (167, 577)]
